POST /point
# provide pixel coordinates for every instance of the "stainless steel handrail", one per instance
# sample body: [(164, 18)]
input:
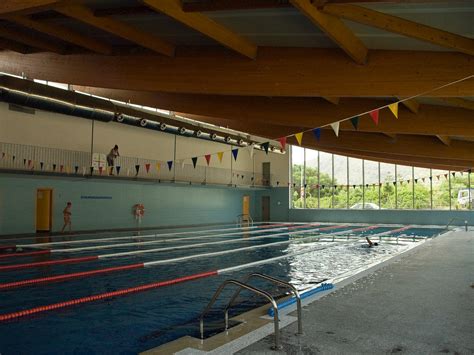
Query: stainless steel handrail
[(457, 219), (240, 219), (275, 281), (254, 290)]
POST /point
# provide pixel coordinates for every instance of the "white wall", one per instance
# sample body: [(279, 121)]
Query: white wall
[(46, 129)]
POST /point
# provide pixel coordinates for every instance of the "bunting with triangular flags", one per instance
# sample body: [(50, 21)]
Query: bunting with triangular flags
[(299, 137), (375, 116), (265, 146), (137, 169), (83, 171), (13, 158), (61, 168), (29, 163), (219, 156), (453, 174), (41, 165), (445, 176), (170, 164), (54, 167), (208, 159), (335, 128), (91, 169), (394, 108), (355, 122), (251, 150), (76, 169), (158, 167), (182, 163), (282, 141), (317, 133), (235, 152), (147, 167), (3, 155), (194, 160), (100, 170), (24, 161), (117, 169)]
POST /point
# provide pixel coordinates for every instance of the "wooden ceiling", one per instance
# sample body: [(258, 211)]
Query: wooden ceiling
[(216, 73)]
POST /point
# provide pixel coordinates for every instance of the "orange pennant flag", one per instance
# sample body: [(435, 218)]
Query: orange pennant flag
[(158, 166), (299, 137), (220, 155), (394, 108), (375, 116)]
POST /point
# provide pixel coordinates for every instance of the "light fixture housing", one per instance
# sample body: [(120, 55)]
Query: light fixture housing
[(213, 136), (182, 130), (143, 122), (118, 116), (227, 139), (198, 133), (163, 126)]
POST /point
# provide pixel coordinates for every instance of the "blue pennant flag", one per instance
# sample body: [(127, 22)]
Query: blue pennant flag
[(194, 159), (76, 168), (317, 133), (235, 152), (170, 164), (117, 168), (355, 122), (137, 168), (265, 146)]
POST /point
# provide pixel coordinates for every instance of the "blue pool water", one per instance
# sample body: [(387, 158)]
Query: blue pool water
[(144, 320)]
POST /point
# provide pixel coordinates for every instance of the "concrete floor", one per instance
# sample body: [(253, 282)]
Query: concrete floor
[(420, 304)]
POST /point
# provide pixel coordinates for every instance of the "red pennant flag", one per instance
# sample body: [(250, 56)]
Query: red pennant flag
[(29, 163), (282, 141), (100, 170), (208, 158), (147, 167), (61, 168), (375, 116)]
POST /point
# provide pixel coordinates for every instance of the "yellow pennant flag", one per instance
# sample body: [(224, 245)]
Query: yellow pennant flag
[(394, 108), (299, 137), (220, 155), (158, 166)]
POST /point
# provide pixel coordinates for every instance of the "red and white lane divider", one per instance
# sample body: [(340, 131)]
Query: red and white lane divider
[(64, 277), (136, 252)]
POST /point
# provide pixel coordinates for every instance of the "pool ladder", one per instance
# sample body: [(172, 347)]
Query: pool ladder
[(457, 219), (268, 296), (244, 217)]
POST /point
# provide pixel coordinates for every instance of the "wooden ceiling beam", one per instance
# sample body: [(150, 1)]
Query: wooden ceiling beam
[(411, 104), (335, 29), (303, 72), (62, 33), (401, 26), (333, 100), (457, 102), (14, 46), (29, 40), (303, 113), (445, 140), (117, 28), (25, 6), (205, 25)]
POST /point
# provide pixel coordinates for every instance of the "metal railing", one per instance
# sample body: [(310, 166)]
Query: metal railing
[(244, 217), (457, 219), (255, 290), (268, 296), (275, 281), (53, 161)]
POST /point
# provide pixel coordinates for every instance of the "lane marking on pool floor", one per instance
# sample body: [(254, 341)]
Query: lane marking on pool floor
[(69, 276)]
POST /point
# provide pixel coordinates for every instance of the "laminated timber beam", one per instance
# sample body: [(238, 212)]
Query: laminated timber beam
[(62, 33), (303, 72), (335, 29), (117, 28), (25, 6), (401, 26), (303, 113), (205, 25), (29, 40)]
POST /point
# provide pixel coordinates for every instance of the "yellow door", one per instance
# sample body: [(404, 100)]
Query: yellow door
[(246, 205), (43, 209)]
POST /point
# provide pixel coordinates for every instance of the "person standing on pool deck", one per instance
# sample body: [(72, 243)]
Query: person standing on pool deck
[(114, 153), (67, 217)]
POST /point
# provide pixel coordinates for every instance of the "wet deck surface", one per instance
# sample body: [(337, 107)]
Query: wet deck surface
[(420, 304)]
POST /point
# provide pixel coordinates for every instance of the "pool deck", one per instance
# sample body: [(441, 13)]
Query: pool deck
[(421, 303)]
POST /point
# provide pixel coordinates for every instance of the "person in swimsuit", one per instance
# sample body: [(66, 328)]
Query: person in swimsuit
[(114, 153), (67, 217), (371, 244)]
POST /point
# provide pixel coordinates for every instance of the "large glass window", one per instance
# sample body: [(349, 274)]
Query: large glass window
[(371, 181), (340, 181), (422, 188), (324, 180), (356, 184), (389, 186)]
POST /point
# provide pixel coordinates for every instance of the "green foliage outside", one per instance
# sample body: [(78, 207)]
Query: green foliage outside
[(404, 192)]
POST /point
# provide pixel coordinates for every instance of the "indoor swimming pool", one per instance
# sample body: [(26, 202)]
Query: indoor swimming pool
[(123, 293)]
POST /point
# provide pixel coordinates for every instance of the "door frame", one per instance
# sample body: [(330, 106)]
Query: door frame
[(51, 209), (268, 198)]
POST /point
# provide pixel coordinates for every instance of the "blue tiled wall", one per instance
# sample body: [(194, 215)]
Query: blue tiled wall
[(111, 205)]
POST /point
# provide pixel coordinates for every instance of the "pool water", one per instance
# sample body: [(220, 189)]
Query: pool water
[(141, 321)]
